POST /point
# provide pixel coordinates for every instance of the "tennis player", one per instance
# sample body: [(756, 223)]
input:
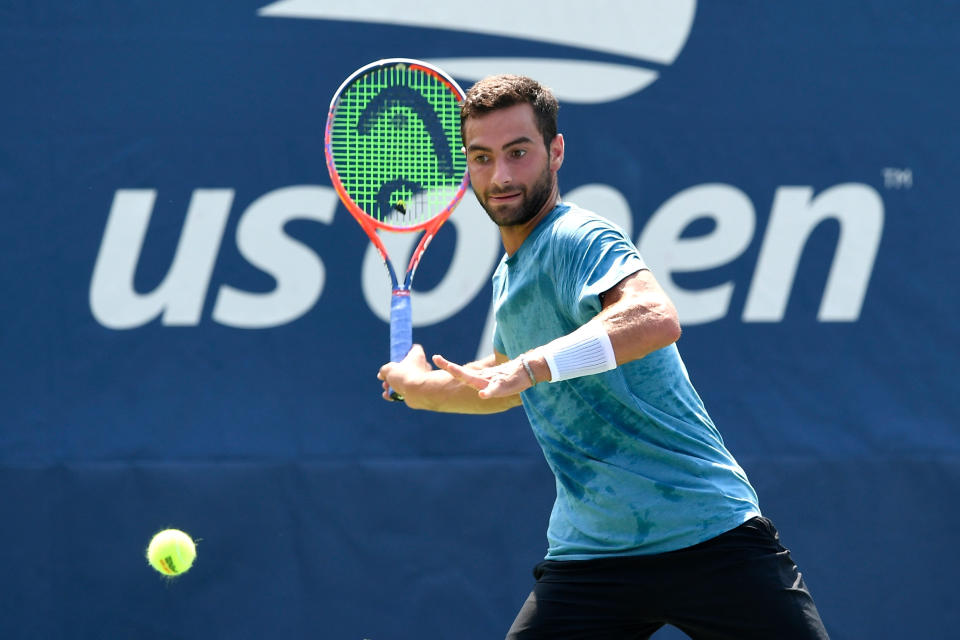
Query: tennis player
[(654, 521)]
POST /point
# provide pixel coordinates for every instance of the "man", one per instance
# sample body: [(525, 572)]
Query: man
[(655, 522)]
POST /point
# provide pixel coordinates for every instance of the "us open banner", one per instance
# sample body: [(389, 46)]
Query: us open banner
[(192, 323)]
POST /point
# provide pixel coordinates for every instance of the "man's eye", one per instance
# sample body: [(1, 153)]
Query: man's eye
[(481, 158), (519, 153)]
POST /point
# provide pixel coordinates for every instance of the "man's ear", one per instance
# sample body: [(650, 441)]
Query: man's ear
[(556, 152)]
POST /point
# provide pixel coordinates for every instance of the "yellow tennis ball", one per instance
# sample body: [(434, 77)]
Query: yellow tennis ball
[(171, 552)]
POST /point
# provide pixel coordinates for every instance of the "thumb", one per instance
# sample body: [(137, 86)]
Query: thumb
[(417, 356)]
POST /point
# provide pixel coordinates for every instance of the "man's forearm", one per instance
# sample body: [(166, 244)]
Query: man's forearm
[(441, 392)]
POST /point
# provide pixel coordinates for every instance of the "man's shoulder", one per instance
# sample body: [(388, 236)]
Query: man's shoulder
[(576, 222), (573, 211)]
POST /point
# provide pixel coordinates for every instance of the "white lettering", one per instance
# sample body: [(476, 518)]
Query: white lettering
[(300, 274), (859, 210), (666, 252), (114, 302), (298, 271)]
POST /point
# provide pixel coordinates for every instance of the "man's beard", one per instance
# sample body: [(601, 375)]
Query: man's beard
[(533, 200)]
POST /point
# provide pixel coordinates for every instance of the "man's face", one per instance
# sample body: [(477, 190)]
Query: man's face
[(511, 171)]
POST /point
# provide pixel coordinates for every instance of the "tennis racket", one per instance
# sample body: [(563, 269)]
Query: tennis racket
[(392, 144)]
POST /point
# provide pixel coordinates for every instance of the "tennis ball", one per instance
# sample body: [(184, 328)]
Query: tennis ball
[(171, 552)]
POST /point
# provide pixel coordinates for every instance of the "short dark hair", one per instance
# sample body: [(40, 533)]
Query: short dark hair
[(501, 91)]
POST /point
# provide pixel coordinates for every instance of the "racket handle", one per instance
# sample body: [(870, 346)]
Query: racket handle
[(401, 330)]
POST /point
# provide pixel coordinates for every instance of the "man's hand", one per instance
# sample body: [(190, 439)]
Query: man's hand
[(404, 376), (499, 381), (424, 387)]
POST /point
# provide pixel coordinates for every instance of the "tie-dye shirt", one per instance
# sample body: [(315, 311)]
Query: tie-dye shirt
[(640, 467)]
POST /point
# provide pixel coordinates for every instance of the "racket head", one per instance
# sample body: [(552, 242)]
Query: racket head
[(393, 148)]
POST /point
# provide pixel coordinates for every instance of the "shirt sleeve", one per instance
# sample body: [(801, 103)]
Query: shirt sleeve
[(596, 257)]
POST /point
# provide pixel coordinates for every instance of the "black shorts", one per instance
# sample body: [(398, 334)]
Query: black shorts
[(737, 586)]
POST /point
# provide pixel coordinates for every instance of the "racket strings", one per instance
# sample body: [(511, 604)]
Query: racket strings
[(395, 140)]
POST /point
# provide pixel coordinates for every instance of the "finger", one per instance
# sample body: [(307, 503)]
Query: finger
[(492, 390), (504, 386), (417, 348), (445, 364), (460, 373), (417, 355), (385, 394), (466, 377), (495, 390), (452, 367)]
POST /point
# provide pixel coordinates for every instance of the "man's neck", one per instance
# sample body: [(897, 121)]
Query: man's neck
[(513, 236)]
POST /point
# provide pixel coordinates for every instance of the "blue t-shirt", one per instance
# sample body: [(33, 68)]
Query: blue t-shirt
[(640, 467)]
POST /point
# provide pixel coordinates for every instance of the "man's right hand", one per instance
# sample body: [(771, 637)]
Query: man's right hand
[(403, 376)]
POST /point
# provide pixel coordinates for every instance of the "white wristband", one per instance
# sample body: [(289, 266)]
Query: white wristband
[(584, 352)]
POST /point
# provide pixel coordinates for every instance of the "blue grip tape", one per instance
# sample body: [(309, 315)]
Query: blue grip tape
[(401, 326), (401, 330)]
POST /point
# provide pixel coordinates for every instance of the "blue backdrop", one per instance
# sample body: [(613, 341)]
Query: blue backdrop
[(191, 325)]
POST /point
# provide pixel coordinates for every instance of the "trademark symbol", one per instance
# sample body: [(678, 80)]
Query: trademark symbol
[(894, 178)]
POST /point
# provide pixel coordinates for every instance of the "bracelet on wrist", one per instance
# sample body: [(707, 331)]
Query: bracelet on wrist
[(529, 370)]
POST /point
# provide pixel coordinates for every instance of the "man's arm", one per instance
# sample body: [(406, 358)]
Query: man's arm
[(637, 316), (424, 387)]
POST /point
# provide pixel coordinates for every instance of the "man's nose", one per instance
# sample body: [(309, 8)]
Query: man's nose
[(501, 174)]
